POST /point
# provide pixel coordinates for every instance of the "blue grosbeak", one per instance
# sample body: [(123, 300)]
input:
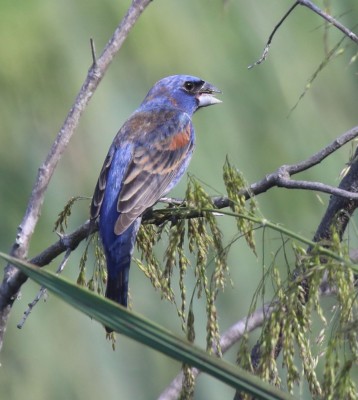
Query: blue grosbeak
[(148, 156)]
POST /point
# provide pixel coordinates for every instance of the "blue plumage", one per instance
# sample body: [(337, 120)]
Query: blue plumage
[(147, 158)]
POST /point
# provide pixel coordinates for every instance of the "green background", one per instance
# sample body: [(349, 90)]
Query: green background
[(45, 55)]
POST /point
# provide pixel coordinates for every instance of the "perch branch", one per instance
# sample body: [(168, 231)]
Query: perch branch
[(278, 178)]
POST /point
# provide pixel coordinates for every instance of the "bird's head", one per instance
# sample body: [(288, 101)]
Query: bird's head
[(182, 91)]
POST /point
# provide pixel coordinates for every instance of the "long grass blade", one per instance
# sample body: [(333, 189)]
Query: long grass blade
[(146, 332)]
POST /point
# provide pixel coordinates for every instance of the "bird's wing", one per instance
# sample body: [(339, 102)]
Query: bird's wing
[(158, 161), (98, 195), (161, 143)]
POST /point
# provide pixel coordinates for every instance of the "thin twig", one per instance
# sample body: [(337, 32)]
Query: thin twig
[(267, 47), (288, 170), (329, 18), (317, 10), (93, 52), (70, 241), (42, 292), (287, 183)]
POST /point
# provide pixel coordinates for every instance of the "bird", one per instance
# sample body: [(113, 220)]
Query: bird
[(146, 159)]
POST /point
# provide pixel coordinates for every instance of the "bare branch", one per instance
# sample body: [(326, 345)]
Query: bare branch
[(340, 209), (287, 183), (280, 178), (13, 279), (317, 10), (286, 171), (43, 290), (329, 18), (70, 241), (268, 44), (227, 340)]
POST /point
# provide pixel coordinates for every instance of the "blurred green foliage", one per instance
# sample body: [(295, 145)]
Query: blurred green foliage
[(45, 55)]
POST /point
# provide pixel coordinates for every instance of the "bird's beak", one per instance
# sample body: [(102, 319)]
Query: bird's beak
[(206, 95)]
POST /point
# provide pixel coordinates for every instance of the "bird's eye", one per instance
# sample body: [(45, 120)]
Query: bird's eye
[(189, 86)]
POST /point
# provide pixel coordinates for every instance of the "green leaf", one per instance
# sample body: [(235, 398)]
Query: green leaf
[(146, 332)]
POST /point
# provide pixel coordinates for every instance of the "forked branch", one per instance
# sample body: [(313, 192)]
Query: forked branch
[(309, 4)]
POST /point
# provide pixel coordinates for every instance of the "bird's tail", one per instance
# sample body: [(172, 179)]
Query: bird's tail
[(118, 251), (117, 287)]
